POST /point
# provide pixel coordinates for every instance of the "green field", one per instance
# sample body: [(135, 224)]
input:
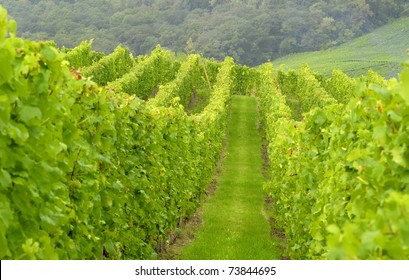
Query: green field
[(382, 50)]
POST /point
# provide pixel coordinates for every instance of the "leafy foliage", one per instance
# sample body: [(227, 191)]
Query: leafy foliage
[(303, 91), (82, 55), (340, 86), (245, 80), (110, 67), (147, 74), (88, 174), (193, 79), (338, 177)]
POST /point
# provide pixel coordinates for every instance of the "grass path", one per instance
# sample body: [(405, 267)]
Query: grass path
[(234, 225)]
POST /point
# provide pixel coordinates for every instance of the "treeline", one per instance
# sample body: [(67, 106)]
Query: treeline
[(251, 31)]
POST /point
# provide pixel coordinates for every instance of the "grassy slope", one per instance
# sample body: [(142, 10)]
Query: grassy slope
[(382, 50), (234, 226)]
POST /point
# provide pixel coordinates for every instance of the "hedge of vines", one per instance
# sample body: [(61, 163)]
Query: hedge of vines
[(339, 176), (88, 174)]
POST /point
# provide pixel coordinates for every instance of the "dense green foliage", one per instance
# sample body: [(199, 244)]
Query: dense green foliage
[(251, 31), (339, 176), (245, 80), (144, 79), (340, 86), (110, 67), (303, 90), (181, 89), (87, 173), (82, 55)]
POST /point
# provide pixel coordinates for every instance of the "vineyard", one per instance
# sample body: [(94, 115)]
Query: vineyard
[(382, 50), (104, 156)]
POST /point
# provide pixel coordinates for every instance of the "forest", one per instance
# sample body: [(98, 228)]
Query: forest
[(250, 31)]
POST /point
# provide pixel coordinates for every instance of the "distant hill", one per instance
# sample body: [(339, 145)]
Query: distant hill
[(250, 31), (383, 50)]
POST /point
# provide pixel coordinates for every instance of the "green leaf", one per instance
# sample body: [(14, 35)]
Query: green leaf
[(4, 249), (5, 179), (51, 216), (6, 65), (404, 87), (379, 134), (334, 229), (12, 27), (319, 118), (368, 238), (18, 133), (6, 214), (3, 23), (49, 54), (394, 116), (30, 247), (41, 81), (110, 247), (27, 113), (354, 155), (398, 156), (4, 108)]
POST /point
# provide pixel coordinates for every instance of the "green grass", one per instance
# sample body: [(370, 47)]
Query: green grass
[(234, 224), (382, 50)]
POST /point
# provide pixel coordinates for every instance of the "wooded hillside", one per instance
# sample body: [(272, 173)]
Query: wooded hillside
[(251, 31)]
